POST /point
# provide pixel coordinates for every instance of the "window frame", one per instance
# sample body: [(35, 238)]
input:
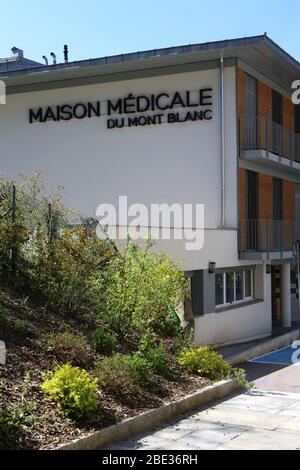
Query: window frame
[(244, 299)]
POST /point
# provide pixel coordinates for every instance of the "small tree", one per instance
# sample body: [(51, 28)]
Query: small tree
[(138, 288)]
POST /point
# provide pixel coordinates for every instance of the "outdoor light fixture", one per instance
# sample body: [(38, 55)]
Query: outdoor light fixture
[(268, 268), (211, 267)]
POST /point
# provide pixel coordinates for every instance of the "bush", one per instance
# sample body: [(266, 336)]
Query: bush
[(62, 269), (69, 346), (21, 327), (3, 315), (205, 362), (123, 375), (52, 260), (137, 289), (73, 389), (166, 323), (155, 354), (103, 341)]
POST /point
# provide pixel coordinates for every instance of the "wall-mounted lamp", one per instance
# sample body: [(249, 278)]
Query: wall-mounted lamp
[(268, 268), (211, 267)]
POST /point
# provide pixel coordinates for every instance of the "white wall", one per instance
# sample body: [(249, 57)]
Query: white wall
[(239, 324), (166, 163)]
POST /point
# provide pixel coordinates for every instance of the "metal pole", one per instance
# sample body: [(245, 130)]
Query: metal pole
[(49, 222), (14, 250)]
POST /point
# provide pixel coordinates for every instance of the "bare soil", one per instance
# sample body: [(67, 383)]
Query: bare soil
[(41, 423)]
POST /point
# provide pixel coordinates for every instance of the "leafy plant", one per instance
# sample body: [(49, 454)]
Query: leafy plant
[(3, 315), (155, 354), (26, 385), (205, 362), (2, 385), (44, 254), (240, 375), (138, 288), (21, 327), (69, 346), (103, 341), (73, 389), (62, 269), (123, 375), (184, 342), (12, 419)]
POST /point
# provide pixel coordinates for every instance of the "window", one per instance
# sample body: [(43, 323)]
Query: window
[(248, 284), (219, 289), (229, 279), (234, 287)]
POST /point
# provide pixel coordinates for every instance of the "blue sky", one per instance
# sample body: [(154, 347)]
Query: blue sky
[(94, 28)]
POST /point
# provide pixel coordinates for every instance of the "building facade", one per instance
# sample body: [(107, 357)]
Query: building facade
[(208, 123)]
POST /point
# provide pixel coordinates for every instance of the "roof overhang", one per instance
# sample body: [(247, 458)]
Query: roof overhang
[(258, 52)]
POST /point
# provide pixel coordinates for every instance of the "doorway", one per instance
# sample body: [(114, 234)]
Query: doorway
[(275, 292)]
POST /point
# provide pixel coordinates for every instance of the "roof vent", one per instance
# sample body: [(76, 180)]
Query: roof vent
[(66, 53), (17, 53), (53, 57)]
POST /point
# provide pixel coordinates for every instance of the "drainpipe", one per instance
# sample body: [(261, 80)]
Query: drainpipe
[(222, 225)]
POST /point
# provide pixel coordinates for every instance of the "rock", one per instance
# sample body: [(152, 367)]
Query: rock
[(2, 352)]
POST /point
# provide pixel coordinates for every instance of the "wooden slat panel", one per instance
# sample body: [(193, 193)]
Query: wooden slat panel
[(288, 113), (289, 200), (265, 196), (242, 193), (264, 100)]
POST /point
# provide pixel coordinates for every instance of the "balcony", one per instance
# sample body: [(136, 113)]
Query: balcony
[(266, 239), (267, 143)]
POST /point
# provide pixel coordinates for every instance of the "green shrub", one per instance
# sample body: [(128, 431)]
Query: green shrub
[(62, 269), (69, 346), (73, 389), (155, 354), (2, 385), (103, 341), (21, 327), (166, 323), (3, 315), (184, 342), (13, 419), (205, 362), (54, 261), (123, 375), (138, 288)]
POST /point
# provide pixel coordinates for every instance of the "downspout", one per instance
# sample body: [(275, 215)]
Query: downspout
[(222, 224)]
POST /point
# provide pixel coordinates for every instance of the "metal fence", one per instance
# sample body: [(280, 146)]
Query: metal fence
[(262, 133), (266, 235), (9, 212)]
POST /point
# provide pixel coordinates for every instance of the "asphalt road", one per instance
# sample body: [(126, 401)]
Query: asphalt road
[(265, 417)]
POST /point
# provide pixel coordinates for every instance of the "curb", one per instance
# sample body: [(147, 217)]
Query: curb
[(150, 419), (263, 348)]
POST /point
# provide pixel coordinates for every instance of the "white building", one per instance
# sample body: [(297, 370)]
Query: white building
[(106, 127)]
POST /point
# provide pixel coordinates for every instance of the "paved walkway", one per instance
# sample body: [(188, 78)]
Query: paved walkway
[(266, 417)]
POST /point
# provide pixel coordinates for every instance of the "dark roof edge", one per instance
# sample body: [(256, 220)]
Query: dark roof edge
[(162, 52), (282, 52)]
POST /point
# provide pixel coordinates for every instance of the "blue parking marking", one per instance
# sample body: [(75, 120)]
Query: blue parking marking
[(284, 356)]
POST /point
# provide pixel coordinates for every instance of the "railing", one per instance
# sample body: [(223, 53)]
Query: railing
[(262, 133), (266, 235)]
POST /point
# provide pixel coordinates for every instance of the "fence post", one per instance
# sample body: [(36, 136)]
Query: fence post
[(13, 212), (50, 222)]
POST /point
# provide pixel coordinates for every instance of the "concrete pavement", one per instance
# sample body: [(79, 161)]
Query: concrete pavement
[(265, 417)]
